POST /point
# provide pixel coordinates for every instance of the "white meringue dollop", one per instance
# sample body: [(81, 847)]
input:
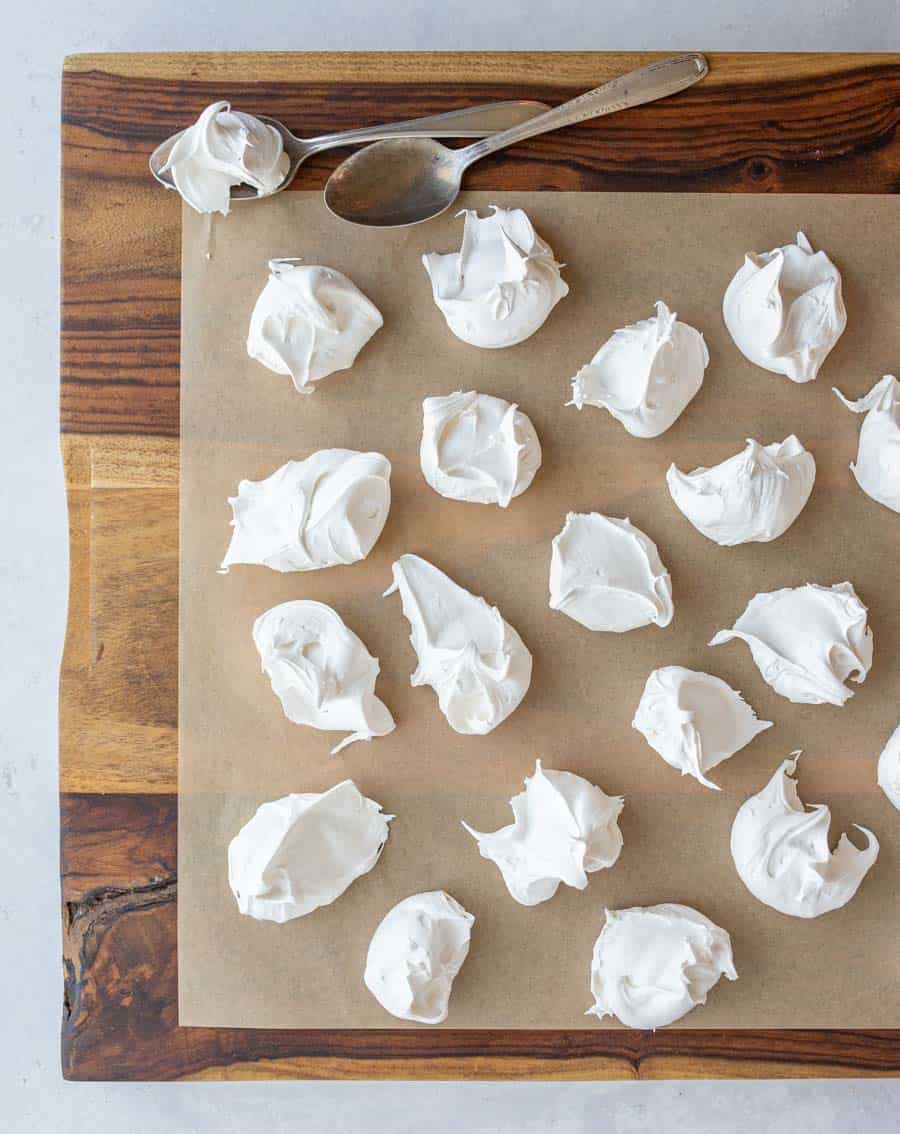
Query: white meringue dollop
[(415, 955), (565, 828), (654, 964), (320, 512), (607, 575), (889, 768), (309, 322), (321, 671), (645, 374), (784, 309), (501, 285), (694, 720), (477, 448), (781, 853), (224, 148), (752, 497), (472, 658), (303, 851), (877, 466), (807, 641)]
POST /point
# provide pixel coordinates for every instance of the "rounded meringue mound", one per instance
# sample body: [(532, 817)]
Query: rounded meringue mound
[(752, 497), (415, 955), (877, 465), (501, 285), (477, 448), (889, 768), (781, 853), (309, 322), (784, 309), (654, 964), (224, 148), (565, 828)]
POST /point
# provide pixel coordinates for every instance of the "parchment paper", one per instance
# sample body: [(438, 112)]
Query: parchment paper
[(529, 967)]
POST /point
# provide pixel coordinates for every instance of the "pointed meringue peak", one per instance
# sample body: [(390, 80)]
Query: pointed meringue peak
[(877, 465)]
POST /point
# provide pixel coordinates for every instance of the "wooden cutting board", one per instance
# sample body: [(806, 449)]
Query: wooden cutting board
[(758, 123)]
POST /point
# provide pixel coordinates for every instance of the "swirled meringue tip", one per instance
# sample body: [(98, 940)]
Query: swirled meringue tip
[(471, 657), (781, 853), (654, 964), (752, 497), (415, 955), (320, 671), (224, 148), (807, 641), (645, 374), (565, 828), (326, 510), (784, 309), (501, 285), (309, 321), (694, 720), (607, 575), (477, 448), (889, 768), (303, 851), (877, 465)]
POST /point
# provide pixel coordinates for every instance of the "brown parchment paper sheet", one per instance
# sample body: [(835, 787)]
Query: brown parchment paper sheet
[(529, 967)]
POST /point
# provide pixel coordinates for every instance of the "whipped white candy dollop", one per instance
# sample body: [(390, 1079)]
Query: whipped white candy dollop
[(807, 641), (471, 657), (607, 575), (309, 321), (415, 955), (501, 285), (781, 852), (784, 309), (889, 768), (321, 671), (325, 510), (654, 964), (303, 851), (752, 497), (565, 828), (694, 720), (645, 374), (877, 465), (477, 448), (224, 148)]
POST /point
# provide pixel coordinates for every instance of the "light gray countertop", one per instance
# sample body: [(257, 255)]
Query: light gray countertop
[(33, 566)]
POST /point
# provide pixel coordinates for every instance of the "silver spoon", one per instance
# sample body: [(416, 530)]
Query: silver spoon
[(403, 182), (469, 122)]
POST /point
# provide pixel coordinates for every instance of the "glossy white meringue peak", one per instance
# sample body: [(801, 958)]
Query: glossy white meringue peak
[(303, 851), (752, 497), (471, 657), (889, 768), (694, 720), (607, 575), (784, 309), (807, 641), (321, 672), (224, 148), (565, 828), (654, 964), (320, 512), (645, 374), (477, 448), (309, 321), (501, 285), (877, 465), (415, 955), (781, 852)]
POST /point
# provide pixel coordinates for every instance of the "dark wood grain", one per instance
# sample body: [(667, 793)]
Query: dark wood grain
[(786, 123)]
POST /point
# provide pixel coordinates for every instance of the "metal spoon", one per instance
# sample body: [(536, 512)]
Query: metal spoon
[(469, 122), (399, 182)]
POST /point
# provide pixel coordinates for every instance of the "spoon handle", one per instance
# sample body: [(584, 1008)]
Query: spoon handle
[(657, 80)]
